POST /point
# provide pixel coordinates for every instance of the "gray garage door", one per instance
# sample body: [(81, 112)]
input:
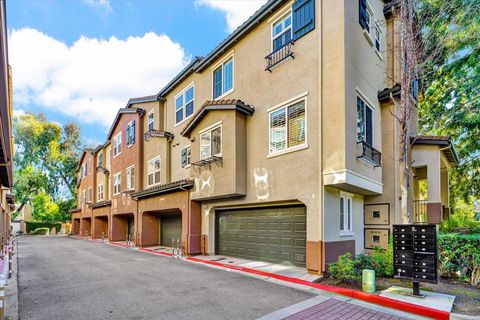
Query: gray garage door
[(275, 234), (171, 228)]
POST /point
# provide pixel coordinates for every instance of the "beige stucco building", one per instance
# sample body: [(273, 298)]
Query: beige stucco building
[(280, 145)]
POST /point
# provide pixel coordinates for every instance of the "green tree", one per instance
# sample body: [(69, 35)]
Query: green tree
[(44, 208)]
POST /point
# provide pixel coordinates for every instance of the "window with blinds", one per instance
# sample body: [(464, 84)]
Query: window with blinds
[(211, 143), (153, 171), (151, 120), (282, 32), (117, 183), (223, 78), (287, 127), (364, 122), (184, 104), (100, 193), (346, 213), (131, 178)]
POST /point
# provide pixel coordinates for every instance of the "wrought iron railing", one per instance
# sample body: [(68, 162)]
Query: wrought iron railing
[(152, 133), (371, 154), (420, 211), (279, 55), (207, 163)]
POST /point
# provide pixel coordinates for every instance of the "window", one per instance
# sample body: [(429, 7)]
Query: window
[(153, 170), (83, 171), (366, 14), (211, 143), (282, 32), (375, 238), (89, 195), (376, 214), (223, 78), (186, 153), (131, 133), (364, 122), (100, 194), (151, 120), (131, 178), (84, 198), (287, 126), (117, 144), (184, 104), (378, 36), (117, 183), (100, 160), (345, 213)]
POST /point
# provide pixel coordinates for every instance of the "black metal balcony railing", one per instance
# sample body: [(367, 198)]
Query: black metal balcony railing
[(152, 133), (371, 154), (207, 163), (278, 56), (420, 211)]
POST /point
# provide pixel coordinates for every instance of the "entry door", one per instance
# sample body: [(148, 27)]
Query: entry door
[(131, 228), (275, 235), (171, 228)]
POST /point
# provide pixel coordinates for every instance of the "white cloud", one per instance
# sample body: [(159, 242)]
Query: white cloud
[(103, 4), (92, 78), (236, 11)]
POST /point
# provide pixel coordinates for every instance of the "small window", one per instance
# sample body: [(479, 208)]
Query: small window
[(117, 183), (376, 239), (100, 194), (84, 197), (153, 171), (376, 214), (366, 15), (282, 32), (378, 36), (287, 126), (83, 171), (89, 195), (223, 79), (131, 133), (186, 153), (345, 213), (100, 159), (211, 143), (364, 122), (184, 104), (151, 120), (131, 178), (117, 144)]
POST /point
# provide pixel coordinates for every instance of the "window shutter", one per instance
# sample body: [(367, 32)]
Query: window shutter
[(303, 12), (362, 11), (184, 157)]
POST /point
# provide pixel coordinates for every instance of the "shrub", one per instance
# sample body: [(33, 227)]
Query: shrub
[(31, 226), (345, 269), (382, 261), (41, 231), (460, 257)]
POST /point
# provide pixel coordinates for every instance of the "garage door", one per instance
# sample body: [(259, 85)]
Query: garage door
[(275, 234), (171, 228)]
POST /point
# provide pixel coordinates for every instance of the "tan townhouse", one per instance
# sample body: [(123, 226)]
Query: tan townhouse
[(82, 214), (101, 204), (280, 144)]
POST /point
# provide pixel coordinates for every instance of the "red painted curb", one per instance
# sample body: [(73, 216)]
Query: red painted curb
[(360, 295), (119, 244), (167, 254)]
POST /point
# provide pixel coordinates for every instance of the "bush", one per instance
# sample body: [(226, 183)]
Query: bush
[(460, 257), (382, 261), (31, 226), (41, 231), (346, 268)]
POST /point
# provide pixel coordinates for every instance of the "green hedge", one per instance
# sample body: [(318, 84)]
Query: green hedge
[(31, 226), (460, 257), (41, 231)]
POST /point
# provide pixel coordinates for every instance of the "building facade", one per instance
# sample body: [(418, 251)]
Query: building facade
[(279, 145)]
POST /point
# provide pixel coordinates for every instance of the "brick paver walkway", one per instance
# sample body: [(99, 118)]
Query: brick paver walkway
[(338, 309)]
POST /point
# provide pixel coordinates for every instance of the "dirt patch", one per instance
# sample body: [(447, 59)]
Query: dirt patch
[(467, 297)]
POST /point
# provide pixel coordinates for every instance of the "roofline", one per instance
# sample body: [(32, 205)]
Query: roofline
[(117, 117), (435, 142), (190, 68), (166, 188), (84, 152), (153, 98)]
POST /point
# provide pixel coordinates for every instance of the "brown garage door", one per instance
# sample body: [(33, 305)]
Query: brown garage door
[(171, 228), (275, 234)]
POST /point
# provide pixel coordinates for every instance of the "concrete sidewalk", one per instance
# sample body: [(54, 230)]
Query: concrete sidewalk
[(11, 290)]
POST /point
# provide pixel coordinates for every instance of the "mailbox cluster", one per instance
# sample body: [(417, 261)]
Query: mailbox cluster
[(415, 252)]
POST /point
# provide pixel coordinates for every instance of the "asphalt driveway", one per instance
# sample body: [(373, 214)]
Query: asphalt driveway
[(64, 278)]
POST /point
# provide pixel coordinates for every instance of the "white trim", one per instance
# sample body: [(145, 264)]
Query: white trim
[(368, 105), (347, 214), (354, 179), (148, 119), (220, 64), (364, 97), (103, 192), (227, 56), (209, 131), (148, 162), (210, 127), (377, 25), (126, 134), (294, 99), (186, 147), (117, 174), (126, 175), (113, 146), (277, 15), (368, 37), (288, 150), (182, 93), (286, 12)]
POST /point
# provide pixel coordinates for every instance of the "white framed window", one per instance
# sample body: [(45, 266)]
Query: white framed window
[(83, 171), (117, 144), (84, 196), (287, 126), (223, 78), (89, 195), (186, 156), (378, 37), (345, 210), (117, 183), (100, 193), (151, 120), (364, 121), (153, 171), (184, 104), (282, 31), (131, 178), (100, 159), (211, 143), (131, 133)]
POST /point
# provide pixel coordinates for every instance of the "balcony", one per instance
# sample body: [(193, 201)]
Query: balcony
[(420, 211), (370, 154), (207, 163), (157, 133), (278, 56)]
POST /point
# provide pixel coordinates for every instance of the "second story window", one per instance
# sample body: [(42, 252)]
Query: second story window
[(282, 32), (84, 196), (83, 171), (365, 15), (130, 133), (153, 171), (100, 193), (186, 153), (151, 121), (184, 104), (378, 36), (211, 143), (100, 160), (117, 144), (131, 178), (287, 126), (223, 78), (117, 183), (364, 122), (89, 195)]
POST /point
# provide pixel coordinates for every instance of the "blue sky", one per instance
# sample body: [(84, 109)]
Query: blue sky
[(80, 60)]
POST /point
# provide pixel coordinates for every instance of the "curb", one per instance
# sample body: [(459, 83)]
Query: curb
[(11, 290)]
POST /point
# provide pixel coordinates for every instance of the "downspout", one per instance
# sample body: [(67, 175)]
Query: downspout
[(396, 196), (321, 195)]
